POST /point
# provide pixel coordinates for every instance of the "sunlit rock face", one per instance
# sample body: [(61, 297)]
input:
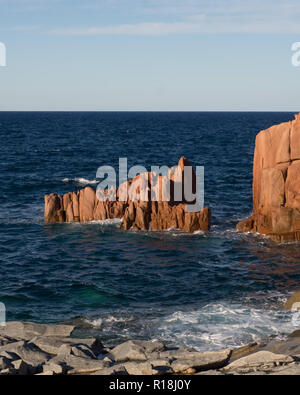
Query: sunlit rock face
[(147, 202), (276, 183)]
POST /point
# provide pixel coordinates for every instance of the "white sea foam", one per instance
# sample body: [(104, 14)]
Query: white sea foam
[(211, 327), (97, 323), (80, 181), (220, 325)]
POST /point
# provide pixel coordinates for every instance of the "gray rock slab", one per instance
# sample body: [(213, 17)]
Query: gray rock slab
[(129, 351), (29, 353), (78, 365), (201, 361), (288, 347), (52, 345), (261, 360), (290, 370), (28, 330), (111, 371)]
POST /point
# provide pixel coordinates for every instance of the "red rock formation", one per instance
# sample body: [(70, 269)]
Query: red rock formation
[(137, 210), (276, 183)]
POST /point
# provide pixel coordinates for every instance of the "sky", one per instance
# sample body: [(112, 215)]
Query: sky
[(149, 55)]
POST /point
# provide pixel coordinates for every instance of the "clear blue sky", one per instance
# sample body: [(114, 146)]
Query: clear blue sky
[(149, 55)]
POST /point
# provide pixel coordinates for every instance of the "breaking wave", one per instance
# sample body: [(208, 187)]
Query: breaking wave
[(80, 181)]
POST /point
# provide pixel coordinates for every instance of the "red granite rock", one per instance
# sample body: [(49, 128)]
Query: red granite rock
[(139, 210), (276, 183), (54, 210)]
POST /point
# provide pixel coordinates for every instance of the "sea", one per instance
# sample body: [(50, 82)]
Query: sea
[(203, 290)]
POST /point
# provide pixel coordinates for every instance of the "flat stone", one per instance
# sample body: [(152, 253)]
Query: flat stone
[(150, 347), (51, 345), (210, 373), (201, 361), (288, 347), (261, 360), (77, 365), (53, 367), (178, 353), (129, 351), (48, 373), (254, 373), (160, 362), (28, 330), (244, 350), (139, 368), (291, 370), (111, 371)]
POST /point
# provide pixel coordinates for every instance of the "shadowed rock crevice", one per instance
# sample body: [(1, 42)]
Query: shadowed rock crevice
[(139, 211)]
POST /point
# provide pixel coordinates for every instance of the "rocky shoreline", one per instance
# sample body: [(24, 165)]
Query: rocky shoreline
[(46, 349)]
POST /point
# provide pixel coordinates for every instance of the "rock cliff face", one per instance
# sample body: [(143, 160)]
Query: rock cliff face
[(276, 183), (138, 211)]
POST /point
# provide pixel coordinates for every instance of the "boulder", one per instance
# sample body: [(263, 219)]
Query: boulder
[(141, 203), (52, 345), (52, 368), (276, 183), (295, 298), (129, 351), (149, 347), (201, 361), (79, 350), (261, 360), (139, 368), (290, 346), (28, 353), (72, 364)]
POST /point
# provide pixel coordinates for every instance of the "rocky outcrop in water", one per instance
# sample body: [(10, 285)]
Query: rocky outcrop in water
[(276, 183), (139, 211)]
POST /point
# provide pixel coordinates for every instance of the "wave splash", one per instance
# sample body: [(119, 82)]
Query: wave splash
[(219, 325), (80, 181), (212, 327)]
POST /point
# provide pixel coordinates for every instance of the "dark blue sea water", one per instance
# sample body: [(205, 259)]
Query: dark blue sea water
[(204, 290)]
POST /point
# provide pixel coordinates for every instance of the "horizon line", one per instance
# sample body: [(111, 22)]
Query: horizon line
[(151, 111)]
